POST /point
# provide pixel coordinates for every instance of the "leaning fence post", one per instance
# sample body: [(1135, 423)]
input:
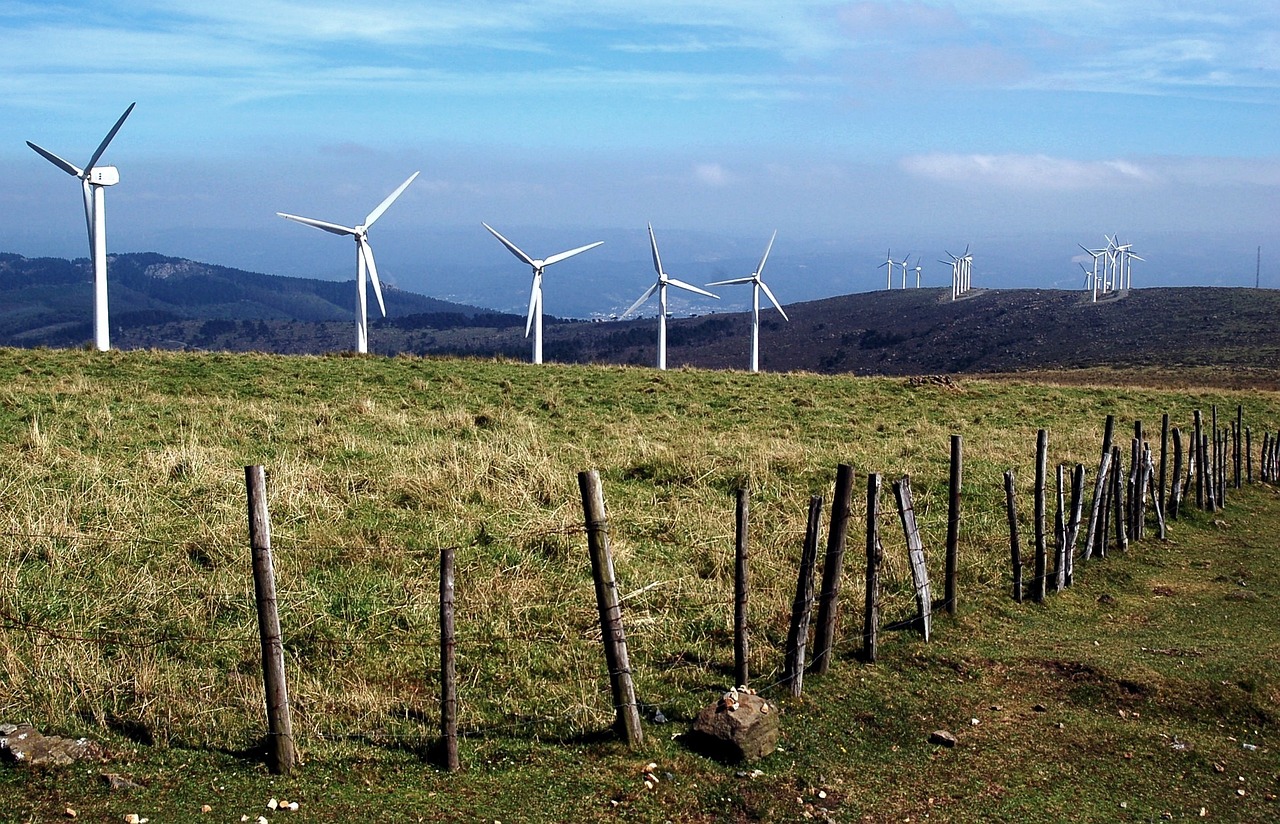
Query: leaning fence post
[(741, 584), (448, 665), (1164, 449), (282, 753), (1073, 524), (802, 606), (1015, 548), (1060, 531), (832, 567), (1118, 487), (953, 526), (1175, 488), (1096, 511), (915, 552), (627, 713), (871, 613)]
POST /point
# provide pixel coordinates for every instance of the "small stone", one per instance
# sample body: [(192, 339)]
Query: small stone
[(1240, 792), (205, 808), (293, 806), (70, 813), (273, 804), (974, 722), (118, 783), (942, 738), (658, 717), (1039, 708)]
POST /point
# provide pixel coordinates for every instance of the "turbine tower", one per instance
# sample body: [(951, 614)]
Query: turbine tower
[(757, 284), (94, 179), (903, 264), (535, 294), (660, 286), (889, 263), (364, 259), (918, 270)]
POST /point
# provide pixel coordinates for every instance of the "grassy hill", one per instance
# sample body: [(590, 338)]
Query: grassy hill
[(127, 612)]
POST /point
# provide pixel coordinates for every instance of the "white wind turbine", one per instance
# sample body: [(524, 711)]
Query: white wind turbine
[(918, 270), (757, 284), (889, 263), (1095, 254), (660, 286), (535, 294), (364, 259), (94, 179), (903, 264)]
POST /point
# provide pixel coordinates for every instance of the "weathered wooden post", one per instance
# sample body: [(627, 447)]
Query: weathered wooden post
[(802, 606), (627, 712), (1137, 492), (1096, 510), (871, 612), (741, 583), (1198, 458), (1155, 497), (1073, 524), (1131, 489), (1175, 490), (915, 551), (448, 665), (832, 568), (953, 526), (1238, 433), (1214, 460), (1122, 534), (1164, 450), (281, 750), (1015, 548), (1207, 471), (1041, 558), (1059, 577), (1248, 454)]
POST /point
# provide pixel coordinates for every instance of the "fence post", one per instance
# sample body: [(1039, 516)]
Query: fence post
[(802, 606), (281, 751), (832, 567), (1041, 565), (1118, 488), (1073, 524), (1248, 454), (871, 614), (953, 526), (1164, 449), (915, 552), (1096, 510), (1198, 458), (1059, 576), (627, 718), (1175, 489), (741, 584), (1236, 446), (448, 665), (1015, 548)]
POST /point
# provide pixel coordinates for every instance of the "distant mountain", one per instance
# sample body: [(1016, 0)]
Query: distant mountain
[(49, 301), (163, 302)]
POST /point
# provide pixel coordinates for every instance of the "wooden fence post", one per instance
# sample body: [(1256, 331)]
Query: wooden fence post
[(1213, 451), (1059, 576), (741, 583), (915, 551), (1096, 510), (627, 713), (1155, 498), (1073, 524), (802, 606), (1239, 464), (1248, 454), (1175, 489), (448, 665), (1198, 458), (832, 568), (871, 613), (1015, 548), (281, 751), (1164, 449), (1040, 567), (1122, 534), (953, 525)]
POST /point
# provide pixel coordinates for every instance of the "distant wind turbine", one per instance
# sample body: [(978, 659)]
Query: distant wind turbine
[(889, 263), (757, 284), (535, 294), (904, 263), (918, 270), (94, 179), (660, 286), (364, 259)]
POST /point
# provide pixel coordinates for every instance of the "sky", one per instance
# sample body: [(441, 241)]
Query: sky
[(1018, 128)]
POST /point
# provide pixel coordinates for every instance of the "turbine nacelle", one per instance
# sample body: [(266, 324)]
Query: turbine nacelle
[(103, 176)]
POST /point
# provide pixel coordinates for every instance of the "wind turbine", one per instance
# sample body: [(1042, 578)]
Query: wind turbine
[(918, 270), (535, 294), (889, 263), (1095, 254), (94, 179), (364, 259), (955, 274), (757, 283), (903, 264), (660, 286)]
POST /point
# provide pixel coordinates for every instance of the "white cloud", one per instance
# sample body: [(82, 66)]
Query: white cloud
[(712, 174), (1019, 171)]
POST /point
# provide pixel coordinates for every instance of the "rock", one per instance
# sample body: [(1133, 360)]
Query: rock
[(943, 738), (27, 746), (740, 730)]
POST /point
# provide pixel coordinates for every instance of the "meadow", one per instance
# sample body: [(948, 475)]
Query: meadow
[(127, 612)]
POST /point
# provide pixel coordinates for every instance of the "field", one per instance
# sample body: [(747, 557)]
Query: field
[(127, 613)]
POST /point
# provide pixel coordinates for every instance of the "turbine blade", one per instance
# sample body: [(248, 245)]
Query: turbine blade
[(570, 253), (511, 247), (69, 168), (760, 268), (732, 281), (102, 147), (690, 287), (774, 301), (653, 242), (648, 293), (391, 198), (320, 224), (533, 302), (367, 251)]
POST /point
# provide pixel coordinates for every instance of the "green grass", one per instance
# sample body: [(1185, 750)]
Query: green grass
[(121, 494)]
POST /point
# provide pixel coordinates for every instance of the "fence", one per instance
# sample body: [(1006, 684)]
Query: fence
[(544, 675)]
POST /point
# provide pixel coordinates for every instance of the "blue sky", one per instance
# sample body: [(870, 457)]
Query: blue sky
[(1019, 127)]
